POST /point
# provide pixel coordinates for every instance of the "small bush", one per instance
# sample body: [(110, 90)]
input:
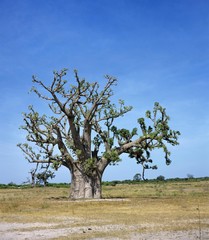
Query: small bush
[(161, 178)]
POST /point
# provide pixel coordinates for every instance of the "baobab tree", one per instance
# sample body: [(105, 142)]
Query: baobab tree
[(80, 133)]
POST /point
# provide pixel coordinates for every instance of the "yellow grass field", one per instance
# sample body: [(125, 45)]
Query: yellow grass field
[(151, 210)]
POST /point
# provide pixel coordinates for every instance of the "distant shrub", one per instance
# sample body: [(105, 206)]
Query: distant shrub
[(58, 185), (161, 178), (190, 176), (115, 182), (137, 177), (12, 184)]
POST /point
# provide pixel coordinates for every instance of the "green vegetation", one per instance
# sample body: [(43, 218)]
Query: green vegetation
[(108, 183)]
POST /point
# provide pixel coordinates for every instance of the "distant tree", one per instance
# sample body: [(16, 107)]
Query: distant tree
[(80, 133), (137, 177), (40, 174), (146, 166), (43, 177), (33, 175), (190, 176), (161, 178)]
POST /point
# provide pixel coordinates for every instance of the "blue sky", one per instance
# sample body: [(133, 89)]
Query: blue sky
[(158, 50)]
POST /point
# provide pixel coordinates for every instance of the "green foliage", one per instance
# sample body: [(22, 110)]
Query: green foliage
[(161, 178), (89, 165), (123, 135), (112, 156), (44, 176), (55, 165), (108, 183), (155, 135)]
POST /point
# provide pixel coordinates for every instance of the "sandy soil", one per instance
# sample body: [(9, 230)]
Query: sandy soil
[(38, 230)]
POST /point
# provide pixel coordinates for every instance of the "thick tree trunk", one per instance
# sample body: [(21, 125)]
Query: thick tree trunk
[(85, 186)]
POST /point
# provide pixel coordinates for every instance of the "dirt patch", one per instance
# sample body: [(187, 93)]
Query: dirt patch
[(67, 228), (20, 231)]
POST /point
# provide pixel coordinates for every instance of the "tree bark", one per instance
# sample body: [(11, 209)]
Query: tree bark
[(85, 186)]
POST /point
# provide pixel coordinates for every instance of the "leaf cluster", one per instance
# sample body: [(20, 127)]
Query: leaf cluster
[(155, 135)]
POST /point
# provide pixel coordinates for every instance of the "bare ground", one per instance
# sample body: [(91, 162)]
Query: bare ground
[(67, 229)]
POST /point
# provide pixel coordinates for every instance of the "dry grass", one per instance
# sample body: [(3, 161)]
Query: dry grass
[(147, 207)]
